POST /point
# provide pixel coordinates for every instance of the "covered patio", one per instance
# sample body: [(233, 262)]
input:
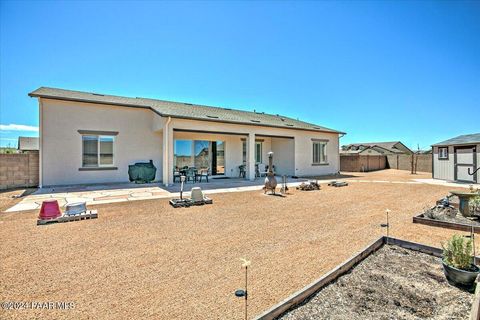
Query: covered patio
[(224, 154)]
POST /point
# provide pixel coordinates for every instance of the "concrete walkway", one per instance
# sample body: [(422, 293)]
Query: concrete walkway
[(109, 193)]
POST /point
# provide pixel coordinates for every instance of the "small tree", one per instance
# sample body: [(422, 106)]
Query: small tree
[(457, 252)]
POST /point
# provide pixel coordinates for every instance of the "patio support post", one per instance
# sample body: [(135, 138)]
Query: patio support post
[(251, 156), (167, 156)]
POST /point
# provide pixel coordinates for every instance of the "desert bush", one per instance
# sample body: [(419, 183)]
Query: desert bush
[(474, 203), (457, 252)]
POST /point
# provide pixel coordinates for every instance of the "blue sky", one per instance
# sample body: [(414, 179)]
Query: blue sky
[(380, 71)]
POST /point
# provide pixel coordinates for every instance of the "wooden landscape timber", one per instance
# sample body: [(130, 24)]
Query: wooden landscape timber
[(445, 224)]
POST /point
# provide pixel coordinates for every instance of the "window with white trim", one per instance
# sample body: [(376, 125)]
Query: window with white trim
[(319, 152), (443, 153), (258, 152), (97, 151)]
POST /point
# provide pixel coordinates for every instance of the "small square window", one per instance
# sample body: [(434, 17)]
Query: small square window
[(443, 153)]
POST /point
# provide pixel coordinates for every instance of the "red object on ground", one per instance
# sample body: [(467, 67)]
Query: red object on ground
[(49, 210)]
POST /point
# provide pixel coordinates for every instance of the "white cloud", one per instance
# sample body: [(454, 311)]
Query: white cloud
[(17, 127)]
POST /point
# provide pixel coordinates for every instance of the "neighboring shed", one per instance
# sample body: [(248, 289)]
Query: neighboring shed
[(456, 159), (28, 144)]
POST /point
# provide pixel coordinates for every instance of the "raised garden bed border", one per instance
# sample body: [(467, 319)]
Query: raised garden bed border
[(298, 297), (445, 224)]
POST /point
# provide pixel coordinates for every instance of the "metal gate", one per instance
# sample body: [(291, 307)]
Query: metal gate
[(465, 159)]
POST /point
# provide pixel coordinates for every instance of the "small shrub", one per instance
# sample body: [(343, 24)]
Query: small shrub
[(457, 252), (474, 203)]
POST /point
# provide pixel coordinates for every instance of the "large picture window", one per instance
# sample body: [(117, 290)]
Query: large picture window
[(319, 152), (97, 151)]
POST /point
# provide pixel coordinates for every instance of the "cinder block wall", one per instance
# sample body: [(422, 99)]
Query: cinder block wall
[(404, 162), (19, 170), (359, 163)]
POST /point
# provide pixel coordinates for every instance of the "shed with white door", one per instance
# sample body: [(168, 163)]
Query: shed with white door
[(457, 159)]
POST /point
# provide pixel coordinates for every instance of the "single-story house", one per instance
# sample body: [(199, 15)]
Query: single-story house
[(454, 158), (26, 144), (92, 138), (376, 148), (371, 156)]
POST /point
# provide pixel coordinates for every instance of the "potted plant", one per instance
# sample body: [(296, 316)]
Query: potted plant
[(458, 263)]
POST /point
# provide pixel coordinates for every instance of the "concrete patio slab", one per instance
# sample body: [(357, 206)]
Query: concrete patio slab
[(101, 194)]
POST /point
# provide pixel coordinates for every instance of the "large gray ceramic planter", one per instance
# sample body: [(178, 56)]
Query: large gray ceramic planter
[(461, 278)]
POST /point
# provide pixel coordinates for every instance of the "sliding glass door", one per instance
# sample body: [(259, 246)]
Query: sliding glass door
[(201, 154)]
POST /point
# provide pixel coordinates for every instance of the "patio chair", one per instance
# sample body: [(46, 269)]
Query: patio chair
[(204, 172), (176, 175), (242, 171), (262, 170), (191, 174)]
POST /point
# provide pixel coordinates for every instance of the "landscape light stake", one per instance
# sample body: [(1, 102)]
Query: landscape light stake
[(284, 188), (182, 180), (244, 293), (472, 236), (386, 225), (473, 241)]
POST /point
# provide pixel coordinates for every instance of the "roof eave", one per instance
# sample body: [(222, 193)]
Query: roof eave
[(442, 144), (252, 124), (36, 95)]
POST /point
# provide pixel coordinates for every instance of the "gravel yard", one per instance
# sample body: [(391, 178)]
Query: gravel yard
[(7, 197), (144, 259), (392, 283)]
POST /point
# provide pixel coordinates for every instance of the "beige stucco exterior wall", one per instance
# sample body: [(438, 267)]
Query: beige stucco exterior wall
[(140, 134), (62, 144), (284, 156)]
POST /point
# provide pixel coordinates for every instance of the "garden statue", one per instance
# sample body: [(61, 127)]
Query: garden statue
[(270, 181)]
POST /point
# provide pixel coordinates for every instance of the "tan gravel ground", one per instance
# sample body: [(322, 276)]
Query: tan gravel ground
[(7, 199), (144, 259)]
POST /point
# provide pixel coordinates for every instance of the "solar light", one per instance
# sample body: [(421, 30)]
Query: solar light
[(244, 293), (182, 180), (240, 293), (386, 225), (472, 236)]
